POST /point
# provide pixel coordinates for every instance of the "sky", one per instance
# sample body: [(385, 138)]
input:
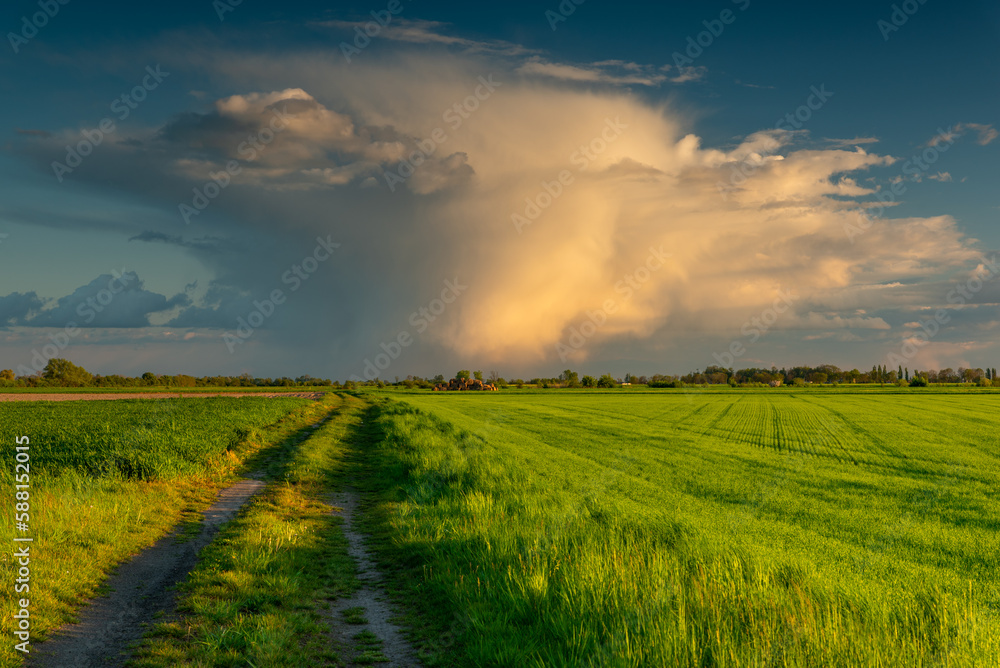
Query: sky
[(398, 187)]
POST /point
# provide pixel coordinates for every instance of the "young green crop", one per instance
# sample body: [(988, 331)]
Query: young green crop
[(138, 439), (693, 529)]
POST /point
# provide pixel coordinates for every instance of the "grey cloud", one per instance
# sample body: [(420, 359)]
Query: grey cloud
[(107, 301), (222, 305), (16, 307), (205, 243)]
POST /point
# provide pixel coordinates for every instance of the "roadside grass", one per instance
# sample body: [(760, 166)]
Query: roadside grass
[(83, 526), (537, 539), (256, 595)]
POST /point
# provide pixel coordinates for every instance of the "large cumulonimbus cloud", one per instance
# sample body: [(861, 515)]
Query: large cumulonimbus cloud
[(552, 200)]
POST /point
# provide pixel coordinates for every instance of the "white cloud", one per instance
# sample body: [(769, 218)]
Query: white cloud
[(432, 32), (593, 73), (850, 143), (985, 134), (685, 74), (831, 321)]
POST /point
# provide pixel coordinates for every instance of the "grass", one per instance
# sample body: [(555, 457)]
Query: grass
[(257, 594), (790, 527), (743, 528), (83, 524), (138, 438), (354, 616)]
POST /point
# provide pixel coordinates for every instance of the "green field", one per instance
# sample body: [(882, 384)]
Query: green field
[(108, 478), (697, 527), (136, 438), (739, 528)]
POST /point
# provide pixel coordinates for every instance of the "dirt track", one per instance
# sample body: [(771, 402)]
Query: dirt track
[(371, 597), (140, 588), (154, 395)]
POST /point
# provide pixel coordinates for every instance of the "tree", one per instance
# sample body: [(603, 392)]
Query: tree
[(589, 381), (478, 375), (149, 378), (7, 374), (463, 374), (970, 375), (65, 373), (606, 381), (571, 378)]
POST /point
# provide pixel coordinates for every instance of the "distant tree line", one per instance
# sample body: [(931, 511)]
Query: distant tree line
[(60, 372), (828, 373), (716, 375), (63, 373)]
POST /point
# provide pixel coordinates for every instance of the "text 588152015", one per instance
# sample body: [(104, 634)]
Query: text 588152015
[(22, 549)]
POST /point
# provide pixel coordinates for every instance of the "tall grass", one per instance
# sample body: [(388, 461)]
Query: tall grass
[(577, 552)]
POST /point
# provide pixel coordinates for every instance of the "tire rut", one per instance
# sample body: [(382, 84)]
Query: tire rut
[(371, 597), (140, 588)]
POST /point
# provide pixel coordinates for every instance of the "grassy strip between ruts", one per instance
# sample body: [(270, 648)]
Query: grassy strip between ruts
[(255, 596), (439, 625), (86, 525)]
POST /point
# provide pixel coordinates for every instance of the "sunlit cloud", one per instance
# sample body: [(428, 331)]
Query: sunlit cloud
[(551, 199)]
